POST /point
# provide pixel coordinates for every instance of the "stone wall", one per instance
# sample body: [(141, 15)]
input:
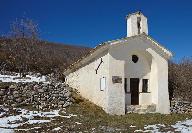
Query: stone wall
[(38, 95), (179, 106)]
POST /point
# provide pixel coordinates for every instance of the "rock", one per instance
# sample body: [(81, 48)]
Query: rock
[(5, 98), (50, 99), (67, 94), (61, 102), (40, 90), (16, 95), (3, 90), (12, 86), (35, 87), (56, 95), (1, 93), (15, 92), (18, 100), (45, 88), (66, 104), (43, 99), (13, 105), (72, 100), (60, 106), (10, 97)]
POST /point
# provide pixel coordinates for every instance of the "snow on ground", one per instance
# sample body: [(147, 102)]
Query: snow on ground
[(16, 78), (37, 121), (18, 120), (154, 128), (78, 123), (9, 123), (56, 129), (181, 126), (2, 113), (3, 130)]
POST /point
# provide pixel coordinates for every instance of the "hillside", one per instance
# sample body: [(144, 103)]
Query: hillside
[(39, 56), (54, 107)]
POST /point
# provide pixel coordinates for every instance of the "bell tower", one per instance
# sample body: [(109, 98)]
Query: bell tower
[(136, 24)]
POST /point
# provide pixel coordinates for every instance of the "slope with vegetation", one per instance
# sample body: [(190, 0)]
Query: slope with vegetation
[(22, 50), (37, 56), (180, 79)]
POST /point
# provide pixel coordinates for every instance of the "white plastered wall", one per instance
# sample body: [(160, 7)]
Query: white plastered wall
[(116, 94), (141, 69), (159, 84), (151, 65), (117, 62), (87, 82)]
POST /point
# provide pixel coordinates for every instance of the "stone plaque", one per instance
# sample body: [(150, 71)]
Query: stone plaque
[(116, 79)]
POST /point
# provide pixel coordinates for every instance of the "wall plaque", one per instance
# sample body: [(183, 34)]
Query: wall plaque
[(116, 79)]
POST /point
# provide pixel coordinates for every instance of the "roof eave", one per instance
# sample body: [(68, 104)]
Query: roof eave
[(100, 48), (73, 67), (165, 50)]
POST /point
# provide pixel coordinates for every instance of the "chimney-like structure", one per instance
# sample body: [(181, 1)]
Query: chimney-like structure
[(136, 24)]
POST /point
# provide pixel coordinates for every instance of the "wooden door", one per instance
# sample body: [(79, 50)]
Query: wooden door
[(134, 87)]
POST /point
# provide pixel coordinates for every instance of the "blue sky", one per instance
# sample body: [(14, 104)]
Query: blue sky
[(90, 22)]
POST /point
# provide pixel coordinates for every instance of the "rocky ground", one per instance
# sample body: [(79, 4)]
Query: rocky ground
[(35, 104), (85, 117), (179, 106)]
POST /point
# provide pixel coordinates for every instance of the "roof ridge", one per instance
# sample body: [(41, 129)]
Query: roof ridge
[(116, 40)]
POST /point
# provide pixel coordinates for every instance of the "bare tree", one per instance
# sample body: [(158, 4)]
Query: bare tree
[(180, 79), (23, 51), (24, 36), (24, 28)]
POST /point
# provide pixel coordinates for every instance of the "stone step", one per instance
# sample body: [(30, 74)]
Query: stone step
[(141, 108)]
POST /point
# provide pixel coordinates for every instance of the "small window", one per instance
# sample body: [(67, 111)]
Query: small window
[(135, 58), (145, 85), (102, 83)]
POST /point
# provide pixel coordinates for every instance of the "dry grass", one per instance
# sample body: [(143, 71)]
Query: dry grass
[(93, 119), (93, 116)]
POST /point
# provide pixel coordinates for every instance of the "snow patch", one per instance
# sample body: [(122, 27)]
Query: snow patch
[(183, 126), (68, 116), (56, 129), (3, 130), (9, 123), (78, 123), (132, 126), (37, 121), (153, 128), (16, 78), (2, 114)]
